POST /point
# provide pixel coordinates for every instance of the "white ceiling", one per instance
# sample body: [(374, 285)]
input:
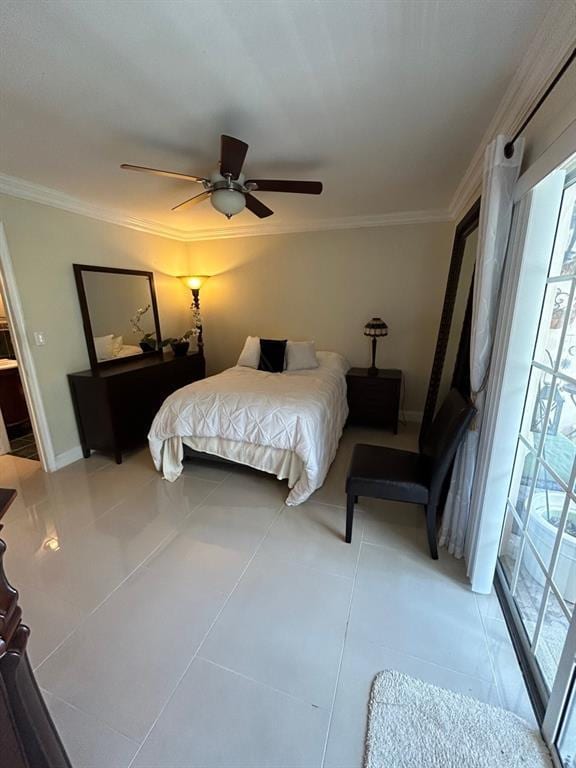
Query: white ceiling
[(383, 101)]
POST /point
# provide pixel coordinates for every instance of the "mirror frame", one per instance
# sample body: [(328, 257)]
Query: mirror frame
[(96, 364), (465, 227)]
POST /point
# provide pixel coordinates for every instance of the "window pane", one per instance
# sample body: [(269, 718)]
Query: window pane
[(565, 569), (521, 484), (552, 323), (540, 390), (509, 545), (559, 448), (564, 256), (567, 362), (551, 639), (545, 512), (529, 590)]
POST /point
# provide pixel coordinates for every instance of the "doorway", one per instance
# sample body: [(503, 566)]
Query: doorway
[(16, 433), (536, 570), (29, 421)]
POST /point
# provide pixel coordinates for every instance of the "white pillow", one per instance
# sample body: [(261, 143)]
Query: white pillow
[(300, 355), (104, 347), (333, 360), (250, 355), (117, 344)]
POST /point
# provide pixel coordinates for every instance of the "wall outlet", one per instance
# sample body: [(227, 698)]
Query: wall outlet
[(39, 338)]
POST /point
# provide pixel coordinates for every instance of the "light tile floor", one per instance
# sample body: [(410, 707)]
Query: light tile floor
[(203, 623)]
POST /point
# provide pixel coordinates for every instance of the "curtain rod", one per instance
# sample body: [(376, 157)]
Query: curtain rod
[(509, 148)]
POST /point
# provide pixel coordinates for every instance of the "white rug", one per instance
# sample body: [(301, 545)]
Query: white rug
[(416, 725)]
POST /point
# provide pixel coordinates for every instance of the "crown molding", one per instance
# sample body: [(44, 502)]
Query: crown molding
[(321, 225), (549, 49), (27, 190)]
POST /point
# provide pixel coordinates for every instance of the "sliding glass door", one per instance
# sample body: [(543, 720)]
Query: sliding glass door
[(537, 556)]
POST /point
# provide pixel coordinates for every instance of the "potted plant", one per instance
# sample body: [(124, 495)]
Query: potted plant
[(147, 341), (179, 345)]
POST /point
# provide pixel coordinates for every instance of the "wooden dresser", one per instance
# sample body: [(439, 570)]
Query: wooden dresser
[(115, 406), (28, 738)]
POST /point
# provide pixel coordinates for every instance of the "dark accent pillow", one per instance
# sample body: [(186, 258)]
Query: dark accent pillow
[(272, 355)]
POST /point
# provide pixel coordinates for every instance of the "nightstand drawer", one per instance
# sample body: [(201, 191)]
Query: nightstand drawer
[(374, 400)]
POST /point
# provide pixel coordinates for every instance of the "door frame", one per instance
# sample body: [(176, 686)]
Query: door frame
[(26, 366)]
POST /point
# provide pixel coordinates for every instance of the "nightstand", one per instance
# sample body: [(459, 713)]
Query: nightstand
[(374, 400)]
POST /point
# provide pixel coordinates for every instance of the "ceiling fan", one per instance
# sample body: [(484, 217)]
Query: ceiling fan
[(228, 189)]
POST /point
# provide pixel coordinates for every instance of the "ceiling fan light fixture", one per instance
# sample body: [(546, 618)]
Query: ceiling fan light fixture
[(227, 188), (228, 201)]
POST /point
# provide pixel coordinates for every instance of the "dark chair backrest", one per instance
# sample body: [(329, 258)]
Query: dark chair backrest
[(443, 437)]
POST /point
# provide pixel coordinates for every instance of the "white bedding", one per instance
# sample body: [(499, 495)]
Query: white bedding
[(241, 411), (127, 350)]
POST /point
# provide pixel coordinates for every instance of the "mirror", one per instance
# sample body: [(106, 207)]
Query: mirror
[(119, 313), (451, 366)]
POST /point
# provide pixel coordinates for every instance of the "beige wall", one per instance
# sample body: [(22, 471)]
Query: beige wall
[(44, 242), (325, 286)]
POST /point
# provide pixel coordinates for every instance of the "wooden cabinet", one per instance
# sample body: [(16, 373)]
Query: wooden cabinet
[(374, 399), (115, 406)]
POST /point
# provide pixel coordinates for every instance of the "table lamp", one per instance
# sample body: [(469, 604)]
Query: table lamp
[(374, 329)]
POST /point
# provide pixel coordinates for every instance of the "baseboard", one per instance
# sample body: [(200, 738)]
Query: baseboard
[(412, 417), (68, 457)]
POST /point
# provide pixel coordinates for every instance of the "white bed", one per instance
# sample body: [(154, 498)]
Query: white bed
[(288, 424)]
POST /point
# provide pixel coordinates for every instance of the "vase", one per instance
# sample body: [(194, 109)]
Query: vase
[(146, 346), (180, 348)]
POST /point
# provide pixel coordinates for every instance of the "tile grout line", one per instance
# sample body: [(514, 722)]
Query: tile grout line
[(141, 564), (352, 591), (489, 650), (491, 679), (196, 653), (80, 528), (90, 716), (492, 663), (101, 603), (269, 687)]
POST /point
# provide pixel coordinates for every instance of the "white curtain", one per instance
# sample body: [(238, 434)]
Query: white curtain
[(500, 176)]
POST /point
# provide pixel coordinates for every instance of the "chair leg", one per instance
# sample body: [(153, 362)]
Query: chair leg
[(350, 502), (431, 530)]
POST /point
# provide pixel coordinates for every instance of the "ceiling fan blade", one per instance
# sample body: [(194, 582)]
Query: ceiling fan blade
[(258, 208), (232, 155), (277, 185), (158, 172), (193, 200)]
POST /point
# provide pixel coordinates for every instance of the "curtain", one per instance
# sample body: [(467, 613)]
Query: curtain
[(499, 178)]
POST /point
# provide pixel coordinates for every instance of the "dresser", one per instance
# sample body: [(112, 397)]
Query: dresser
[(374, 399), (28, 738), (115, 405)]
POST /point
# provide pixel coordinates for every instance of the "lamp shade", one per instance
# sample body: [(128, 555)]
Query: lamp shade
[(194, 281), (376, 327)]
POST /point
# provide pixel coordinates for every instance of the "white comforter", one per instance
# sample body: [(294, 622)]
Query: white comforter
[(301, 412)]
